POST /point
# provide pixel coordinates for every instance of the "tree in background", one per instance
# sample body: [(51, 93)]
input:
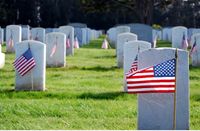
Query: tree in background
[(100, 14)]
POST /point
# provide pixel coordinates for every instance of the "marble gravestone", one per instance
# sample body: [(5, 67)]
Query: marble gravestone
[(84, 35), (25, 32), (13, 35), (88, 38), (78, 32), (1, 36), (131, 50), (121, 39), (78, 25), (119, 30), (2, 59), (177, 36), (69, 32), (38, 34), (167, 34), (155, 110), (195, 55), (55, 58), (111, 36), (35, 78), (144, 32)]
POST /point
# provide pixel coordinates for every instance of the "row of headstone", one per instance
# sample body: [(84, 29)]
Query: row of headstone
[(144, 32)]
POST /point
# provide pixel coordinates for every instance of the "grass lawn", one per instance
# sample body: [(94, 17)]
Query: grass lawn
[(84, 95)]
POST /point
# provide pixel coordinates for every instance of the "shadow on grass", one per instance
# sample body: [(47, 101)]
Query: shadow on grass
[(193, 67), (106, 57), (100, 68), (100, 96), (195, 97), (12, 94)]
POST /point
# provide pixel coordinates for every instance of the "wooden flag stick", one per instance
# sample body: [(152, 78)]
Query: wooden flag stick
[(32, 81), (31, 72), (174, 114)]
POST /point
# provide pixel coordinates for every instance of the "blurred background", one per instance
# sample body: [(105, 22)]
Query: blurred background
[(100, 14)]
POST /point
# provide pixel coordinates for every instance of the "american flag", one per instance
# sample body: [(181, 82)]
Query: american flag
[(193, 49), (104, 44), (53, 50), (134, 67), (24, 63), (11, 42), (76, 44), (68, 42), (156, 79), (184, 42)]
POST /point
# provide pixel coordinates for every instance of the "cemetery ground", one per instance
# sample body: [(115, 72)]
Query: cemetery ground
[(86, 94)]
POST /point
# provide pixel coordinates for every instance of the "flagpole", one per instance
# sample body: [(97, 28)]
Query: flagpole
[(176, 70), (56, 49), (31, 72)]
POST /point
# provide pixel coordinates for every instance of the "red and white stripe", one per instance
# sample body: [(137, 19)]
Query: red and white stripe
[(53, 51), (68, 43), (143, 81), (22, 65)]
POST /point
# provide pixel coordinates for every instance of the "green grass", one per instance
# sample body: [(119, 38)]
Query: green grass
[(86, 94)]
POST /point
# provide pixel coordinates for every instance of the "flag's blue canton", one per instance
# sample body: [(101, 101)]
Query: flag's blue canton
[(28, 54), (165, 69)]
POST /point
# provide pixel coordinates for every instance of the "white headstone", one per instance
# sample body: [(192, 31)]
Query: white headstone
[(196, 53), (119, 30), (155, 110), (131, 50), (25, 33), (13, 35), (69, 32), (1, 36), (121, 39), (177, 36), (167, 34), (2, 59), (56, 49), (38, 34), (111, 35), (84, 32), (34, 79)]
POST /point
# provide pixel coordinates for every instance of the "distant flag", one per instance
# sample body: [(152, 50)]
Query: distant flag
[(76, 43), (193, 49), (155, 40), (156, 79), (11, 42), (53, 50), (134, 67), (104, 44), (68, 42), (184, 42), (24, 63)]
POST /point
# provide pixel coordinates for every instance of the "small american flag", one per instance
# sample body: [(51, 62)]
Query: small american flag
[(24, 63), (134, 67), (76, 43), (193, 49), (184, 42), (156, 79), (11, 42), (53, 50), (68, 42)]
